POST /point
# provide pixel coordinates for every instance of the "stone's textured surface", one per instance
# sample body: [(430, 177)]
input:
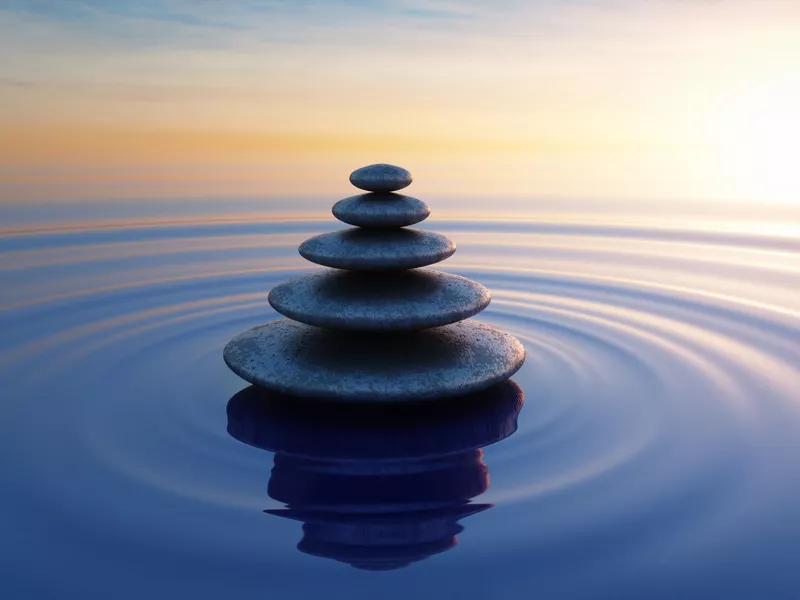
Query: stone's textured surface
[(382, 301), (378, 331), (380, 178), (381, 210), (293, 358), (374, 249)]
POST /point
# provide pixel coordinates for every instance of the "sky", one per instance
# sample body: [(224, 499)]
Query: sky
[(650, 100)]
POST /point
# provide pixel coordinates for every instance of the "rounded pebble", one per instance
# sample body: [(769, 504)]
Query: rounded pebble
[(380, 301), (381, 178), (375, 249), (381, 210), (293, 358)]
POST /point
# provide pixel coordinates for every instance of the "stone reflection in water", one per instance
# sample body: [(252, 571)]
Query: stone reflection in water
[(378, 487)]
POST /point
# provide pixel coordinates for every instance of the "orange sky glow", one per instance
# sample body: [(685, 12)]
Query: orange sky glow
[(609, 99)]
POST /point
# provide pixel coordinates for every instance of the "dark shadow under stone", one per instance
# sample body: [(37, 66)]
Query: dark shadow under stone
[(379, 301), (320, 430), (376, 486), (294, 358)]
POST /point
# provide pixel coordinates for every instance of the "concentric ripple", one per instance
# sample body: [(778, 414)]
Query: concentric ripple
[(657, 454)]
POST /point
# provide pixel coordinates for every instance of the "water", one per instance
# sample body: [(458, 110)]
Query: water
[(656, 455)]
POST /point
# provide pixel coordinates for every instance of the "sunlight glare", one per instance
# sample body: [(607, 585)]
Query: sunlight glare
[(759, 133)]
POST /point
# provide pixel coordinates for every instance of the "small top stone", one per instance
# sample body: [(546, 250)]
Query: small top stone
[(381, 178)]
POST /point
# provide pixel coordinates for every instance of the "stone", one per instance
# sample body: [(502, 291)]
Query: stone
[(381, 210), (293, 358), (379, 301), (375, 249), (381, 178)]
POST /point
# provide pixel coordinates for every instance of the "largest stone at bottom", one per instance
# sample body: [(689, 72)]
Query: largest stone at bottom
[(294, 358)]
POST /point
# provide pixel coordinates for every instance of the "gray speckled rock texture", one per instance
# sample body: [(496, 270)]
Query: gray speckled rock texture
[(375, 328), (381, 178), (381, 301), (381, 210), (376, 249), (293, 358)]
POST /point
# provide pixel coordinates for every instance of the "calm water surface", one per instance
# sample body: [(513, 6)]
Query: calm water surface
[(656, 453)]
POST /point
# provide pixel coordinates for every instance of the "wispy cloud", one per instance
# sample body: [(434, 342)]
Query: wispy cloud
[(188, 21), (198, 24)]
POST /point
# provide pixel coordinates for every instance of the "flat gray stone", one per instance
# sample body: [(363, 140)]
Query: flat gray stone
[(382, 301), (381, 210), (293, 358), (381, 178), (375, 249)]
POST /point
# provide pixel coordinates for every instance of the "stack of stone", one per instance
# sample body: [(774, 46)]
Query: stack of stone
[(375, 326)]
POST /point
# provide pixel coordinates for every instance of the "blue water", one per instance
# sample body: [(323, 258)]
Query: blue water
[(649, 448)]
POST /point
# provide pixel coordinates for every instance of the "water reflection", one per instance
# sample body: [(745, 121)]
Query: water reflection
[(377, 487)]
